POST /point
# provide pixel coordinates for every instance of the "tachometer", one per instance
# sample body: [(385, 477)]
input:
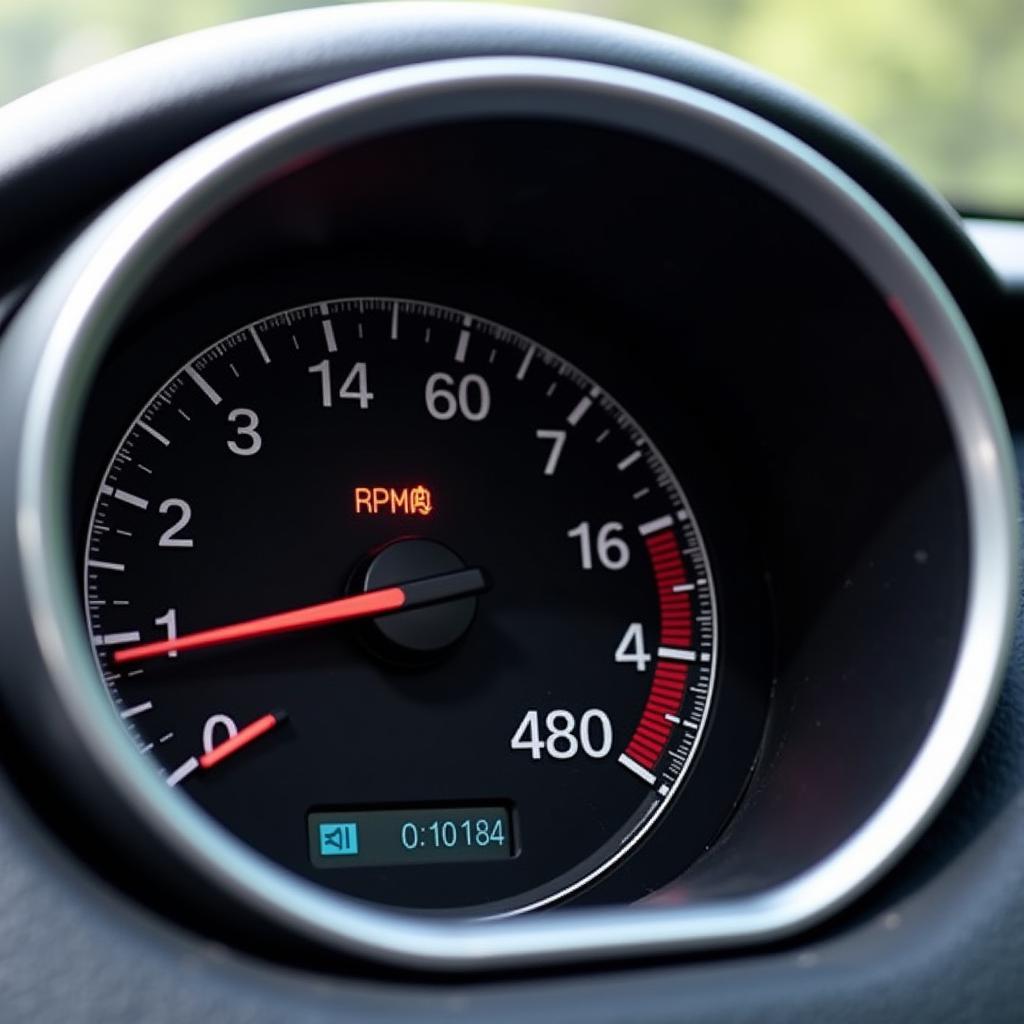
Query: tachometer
[(405, 601)]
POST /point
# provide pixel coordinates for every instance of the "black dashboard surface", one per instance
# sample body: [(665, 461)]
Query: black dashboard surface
[(938, 940)]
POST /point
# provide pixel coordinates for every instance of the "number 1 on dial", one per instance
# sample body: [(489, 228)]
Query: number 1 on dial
[(169, 620)]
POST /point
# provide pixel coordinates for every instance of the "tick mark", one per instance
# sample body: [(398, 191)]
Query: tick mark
[(203, 384), (154, 433), (525, 364), (628, 461)]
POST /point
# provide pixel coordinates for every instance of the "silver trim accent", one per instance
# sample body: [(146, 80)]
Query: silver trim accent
[(96, 280)]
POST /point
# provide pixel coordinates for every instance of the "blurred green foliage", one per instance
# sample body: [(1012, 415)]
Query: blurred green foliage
[(940, 81)]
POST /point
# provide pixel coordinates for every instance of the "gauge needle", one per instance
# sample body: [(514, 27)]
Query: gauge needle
[(242, 738), (447, 586)]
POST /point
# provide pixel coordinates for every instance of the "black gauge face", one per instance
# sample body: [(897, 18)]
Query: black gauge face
[(407, 603)]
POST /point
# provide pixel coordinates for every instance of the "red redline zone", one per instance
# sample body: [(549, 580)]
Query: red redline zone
[(676, 630)]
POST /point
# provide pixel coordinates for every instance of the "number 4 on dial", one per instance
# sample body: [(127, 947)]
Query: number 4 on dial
[(632, 650)]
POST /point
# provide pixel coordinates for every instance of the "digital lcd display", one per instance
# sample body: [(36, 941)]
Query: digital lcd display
[(434, 835)]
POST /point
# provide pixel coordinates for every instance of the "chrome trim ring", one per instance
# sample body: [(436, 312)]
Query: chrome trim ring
[(94, 283)]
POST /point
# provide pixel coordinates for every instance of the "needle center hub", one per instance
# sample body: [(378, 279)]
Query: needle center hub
[(421, 634)]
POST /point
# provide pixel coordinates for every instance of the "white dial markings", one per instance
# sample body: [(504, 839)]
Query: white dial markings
[(153, 432), (183, 771), (637, 769), (203, 384), (655, 525)]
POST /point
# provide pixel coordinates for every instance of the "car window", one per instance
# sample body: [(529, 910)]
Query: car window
[(940, 81)]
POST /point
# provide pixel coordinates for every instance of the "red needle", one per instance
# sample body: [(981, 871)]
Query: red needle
[(360, 606), (241, 738), (446, 586)]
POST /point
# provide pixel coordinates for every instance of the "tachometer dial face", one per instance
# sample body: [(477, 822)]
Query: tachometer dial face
[(406, 602)]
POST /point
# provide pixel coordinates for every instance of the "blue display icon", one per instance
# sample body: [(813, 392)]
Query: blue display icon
[(339, 839)]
